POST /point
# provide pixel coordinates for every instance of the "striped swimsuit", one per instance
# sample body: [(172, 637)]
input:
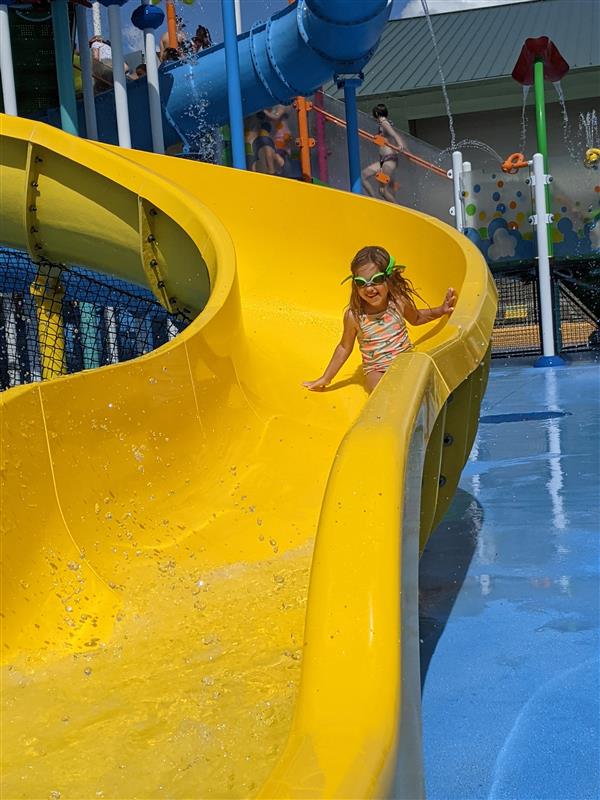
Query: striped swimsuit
[(381, 337)]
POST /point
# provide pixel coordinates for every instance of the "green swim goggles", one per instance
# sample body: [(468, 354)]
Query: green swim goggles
[(375, 280)]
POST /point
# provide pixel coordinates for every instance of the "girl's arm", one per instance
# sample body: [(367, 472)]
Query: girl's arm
[(419, 316), (340, 355)]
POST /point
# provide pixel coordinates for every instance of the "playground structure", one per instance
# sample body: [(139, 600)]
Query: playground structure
[(168, 521), (219, 472), (175, 489)]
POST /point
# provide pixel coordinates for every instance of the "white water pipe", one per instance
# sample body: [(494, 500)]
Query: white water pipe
[(96, 18), (9, 95), (87, 81), (238, 17), (120, 82), (455, 174), (541, 219)]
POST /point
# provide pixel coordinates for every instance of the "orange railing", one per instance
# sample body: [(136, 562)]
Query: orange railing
[(380, 141)]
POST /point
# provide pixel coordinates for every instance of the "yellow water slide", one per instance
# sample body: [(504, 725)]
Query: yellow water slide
[(209, 574)]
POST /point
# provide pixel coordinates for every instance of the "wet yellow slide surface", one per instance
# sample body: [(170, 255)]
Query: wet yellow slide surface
[(209, 574)]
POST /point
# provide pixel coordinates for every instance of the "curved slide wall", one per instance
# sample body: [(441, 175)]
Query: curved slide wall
[(160, 516), (293, 53)]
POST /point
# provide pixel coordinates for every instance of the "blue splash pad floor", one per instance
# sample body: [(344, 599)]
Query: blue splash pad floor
[(509, 599)]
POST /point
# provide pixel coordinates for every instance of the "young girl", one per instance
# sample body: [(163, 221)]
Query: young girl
[(380, 302)]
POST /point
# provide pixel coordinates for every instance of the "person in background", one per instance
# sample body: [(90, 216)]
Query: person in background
[(383, 169), (268, 160), (102, 71), (141, 71), (182, 41), (170, 54), (201, 40), (101, 49), (282, 136)]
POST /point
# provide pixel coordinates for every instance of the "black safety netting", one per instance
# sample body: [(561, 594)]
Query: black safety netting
[(575, 307), (57, 319)]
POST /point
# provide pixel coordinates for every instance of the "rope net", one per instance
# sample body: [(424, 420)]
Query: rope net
[(57, 319)]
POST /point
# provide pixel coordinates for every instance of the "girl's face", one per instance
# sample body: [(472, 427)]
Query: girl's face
[(375, 296)]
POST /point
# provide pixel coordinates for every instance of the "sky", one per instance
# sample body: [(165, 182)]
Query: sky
[(208, 13)]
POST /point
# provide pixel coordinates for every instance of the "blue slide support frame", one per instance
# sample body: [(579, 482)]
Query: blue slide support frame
[(293, 53)]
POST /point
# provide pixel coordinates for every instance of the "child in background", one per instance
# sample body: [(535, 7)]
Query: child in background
[(384, 169), (380, 302)]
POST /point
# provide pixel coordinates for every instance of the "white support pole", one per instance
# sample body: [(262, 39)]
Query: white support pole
[(467, 178), (158, 142), (467, 186), (540, 219), (120, 82), (456, 174), (9, 95), (238, 17), (96, 18), (87, 82)]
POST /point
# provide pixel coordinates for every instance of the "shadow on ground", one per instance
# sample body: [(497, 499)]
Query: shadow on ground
[(442, 570)]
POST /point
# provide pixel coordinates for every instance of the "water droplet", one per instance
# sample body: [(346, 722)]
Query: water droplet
[(207, 680), (279, 579), (73, 565), (87, 671), (55, 795)]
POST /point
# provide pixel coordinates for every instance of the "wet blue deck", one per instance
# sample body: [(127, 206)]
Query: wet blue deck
[(510, 599)]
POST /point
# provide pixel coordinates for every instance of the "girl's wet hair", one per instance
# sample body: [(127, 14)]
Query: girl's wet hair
[(401, 289), (380, 110)]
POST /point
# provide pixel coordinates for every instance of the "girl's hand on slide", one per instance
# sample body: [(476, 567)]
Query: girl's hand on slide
[(315, 386), (449, 301)]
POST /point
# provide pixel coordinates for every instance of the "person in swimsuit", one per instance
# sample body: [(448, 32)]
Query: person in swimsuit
[(388, 157), (267, 158), (381, 303)]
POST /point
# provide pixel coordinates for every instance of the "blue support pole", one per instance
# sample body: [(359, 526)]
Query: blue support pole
[(350, 84), (234, 92), (64, 66)]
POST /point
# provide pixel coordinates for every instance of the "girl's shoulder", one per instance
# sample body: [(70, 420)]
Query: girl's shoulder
[(350, 318)]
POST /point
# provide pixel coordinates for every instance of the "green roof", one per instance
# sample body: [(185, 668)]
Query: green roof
[(479, 45)]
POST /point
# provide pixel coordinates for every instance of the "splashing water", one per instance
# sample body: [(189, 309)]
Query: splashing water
[(473, 144), (588, 128), (441, 71), (523, 137), (572, 150)]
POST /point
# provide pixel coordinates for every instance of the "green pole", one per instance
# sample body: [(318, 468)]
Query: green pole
[(64, 66), (541, 133)]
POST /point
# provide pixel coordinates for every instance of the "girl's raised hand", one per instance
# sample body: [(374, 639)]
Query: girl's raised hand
[(449, 301), (315, 386)]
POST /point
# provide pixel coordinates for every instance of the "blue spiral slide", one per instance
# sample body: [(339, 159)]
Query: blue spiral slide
[(293, 53)]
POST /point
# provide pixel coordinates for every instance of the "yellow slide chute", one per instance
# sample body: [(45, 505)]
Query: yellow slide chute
[(161, 517)]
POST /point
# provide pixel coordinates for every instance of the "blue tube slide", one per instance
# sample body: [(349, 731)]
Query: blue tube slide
[(294, 53)]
